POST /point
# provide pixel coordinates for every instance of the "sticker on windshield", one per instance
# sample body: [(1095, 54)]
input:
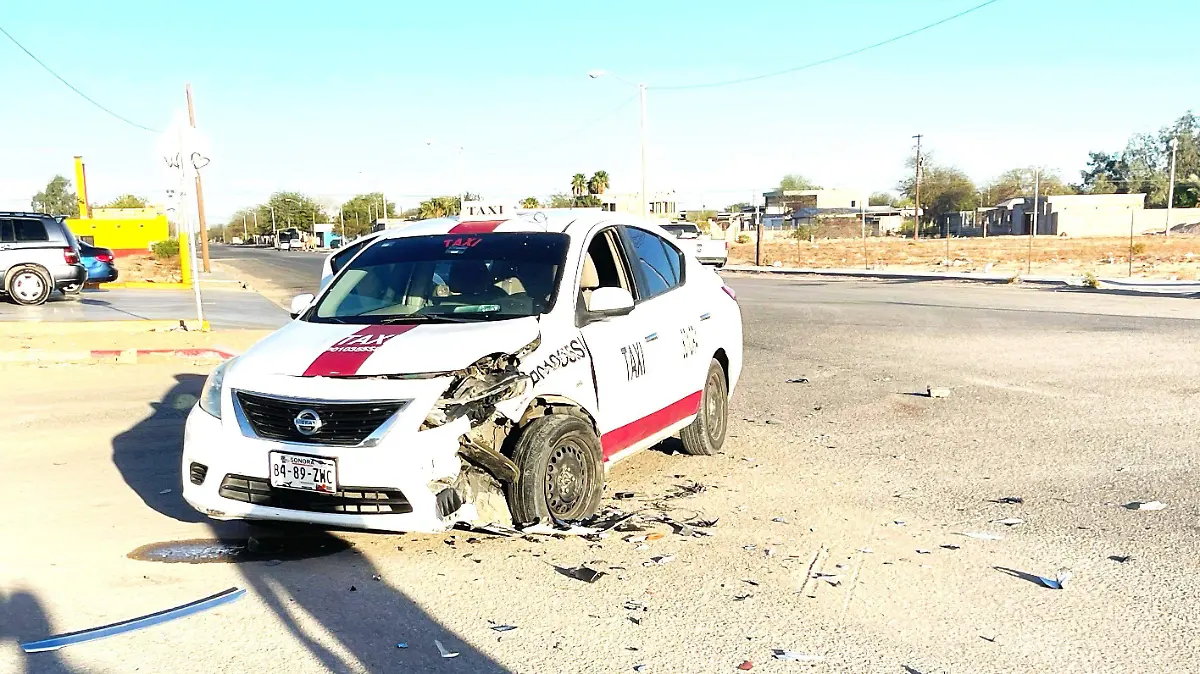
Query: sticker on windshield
[(456, 244), (571, 352)]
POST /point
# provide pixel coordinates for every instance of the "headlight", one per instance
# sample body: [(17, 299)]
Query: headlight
[(210, 395)]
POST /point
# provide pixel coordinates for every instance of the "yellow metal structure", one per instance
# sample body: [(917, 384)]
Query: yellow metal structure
[(124, 235), (81, 187)]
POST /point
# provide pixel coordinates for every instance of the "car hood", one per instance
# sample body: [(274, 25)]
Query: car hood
[(303, 349)]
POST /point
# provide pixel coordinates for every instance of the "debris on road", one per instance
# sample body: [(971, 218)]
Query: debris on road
[(951, 546), (922, 551), (686, 489), (622, 495), (746, 664), (1147, 505), (983, 536), (165, 491), (779, 520), (1120, 559), (503, 628), (704, 524), (937, 392), (541, 529), (56, 642), (1058, 582), (402, 644), (584, 573), (639, 668), (798, 380), (1009, 521), (866, 551), (659, 561), (742, 597), (442, 649), (1012, 500), (780, 654)]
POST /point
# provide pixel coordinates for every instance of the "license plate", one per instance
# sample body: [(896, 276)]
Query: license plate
[(306, 473)]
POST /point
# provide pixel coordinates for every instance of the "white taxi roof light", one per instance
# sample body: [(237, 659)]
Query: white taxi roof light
[(477, 211)]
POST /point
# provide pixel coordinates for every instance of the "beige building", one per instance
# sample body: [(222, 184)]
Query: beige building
[(659, 205), (1073, 215), (780, 202)]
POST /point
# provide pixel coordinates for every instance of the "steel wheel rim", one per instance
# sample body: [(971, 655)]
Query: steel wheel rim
[(28, 286), (714, 408), (565, 478)]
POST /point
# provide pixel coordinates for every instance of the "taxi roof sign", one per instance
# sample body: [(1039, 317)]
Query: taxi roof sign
[(485, 210)]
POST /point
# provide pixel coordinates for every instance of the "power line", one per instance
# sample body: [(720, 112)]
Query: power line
[(72, 87), (830, 59)]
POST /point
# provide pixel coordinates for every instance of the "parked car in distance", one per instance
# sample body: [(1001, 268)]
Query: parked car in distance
[(100, 263), (707, 250), (38, 255), (236, 241)]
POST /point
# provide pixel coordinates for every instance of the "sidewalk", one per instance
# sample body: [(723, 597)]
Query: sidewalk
[(223, 308), (1131, 285)]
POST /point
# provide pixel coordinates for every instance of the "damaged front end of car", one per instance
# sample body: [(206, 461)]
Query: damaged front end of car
[(487, 399)]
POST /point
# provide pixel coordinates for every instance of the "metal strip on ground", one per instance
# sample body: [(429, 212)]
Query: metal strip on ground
[(56, 642)]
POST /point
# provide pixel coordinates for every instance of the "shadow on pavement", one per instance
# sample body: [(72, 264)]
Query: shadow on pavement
[(22, 619), (331, 604)]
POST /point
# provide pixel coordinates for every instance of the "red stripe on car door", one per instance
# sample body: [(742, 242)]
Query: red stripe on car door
[(476, 227), (634, 432), (345, 356)]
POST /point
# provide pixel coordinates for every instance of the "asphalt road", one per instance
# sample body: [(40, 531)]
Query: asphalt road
[(280, 275), (1075, 403)]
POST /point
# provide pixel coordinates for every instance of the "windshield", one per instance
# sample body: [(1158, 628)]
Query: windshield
[(451, 277)]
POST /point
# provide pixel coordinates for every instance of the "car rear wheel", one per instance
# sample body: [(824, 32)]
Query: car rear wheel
[(29, 286), (706, 434), (561, 474)]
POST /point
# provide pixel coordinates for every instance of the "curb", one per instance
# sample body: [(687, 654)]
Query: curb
[(144, 285), (39, 327), (122, 355)]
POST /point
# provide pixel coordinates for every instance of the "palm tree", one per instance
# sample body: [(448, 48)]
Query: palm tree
[(579, 184), (598, 183), (530, 202)]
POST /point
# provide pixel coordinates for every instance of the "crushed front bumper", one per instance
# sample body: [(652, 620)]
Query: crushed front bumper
[(404, 462)]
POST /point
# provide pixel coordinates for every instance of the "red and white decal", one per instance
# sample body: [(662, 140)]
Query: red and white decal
[(635, 431), (345, 356), (476, 227)]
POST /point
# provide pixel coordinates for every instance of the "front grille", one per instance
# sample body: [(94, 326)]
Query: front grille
[(197, 472), (344, 424), (348, 500)]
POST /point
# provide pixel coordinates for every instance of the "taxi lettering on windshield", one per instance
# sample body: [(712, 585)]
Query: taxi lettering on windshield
[(461, 241)]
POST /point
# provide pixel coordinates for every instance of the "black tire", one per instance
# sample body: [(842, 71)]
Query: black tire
[(706, 434), (561, 471), (73, 291), (29, 286)]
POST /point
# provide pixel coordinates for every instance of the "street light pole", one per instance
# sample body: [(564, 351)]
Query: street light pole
[(1171, 191), (641, 87), (917, 211)]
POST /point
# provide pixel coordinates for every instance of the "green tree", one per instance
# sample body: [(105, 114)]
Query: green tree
[(561, 200), (1020, 182), (361, 210), (699, 217), (598, 182), (944, 189), (292, 209), (440, 207), (882, 199), (530, 202), (56, 199), (579, 185), (795, 181), (1143, 167), (739, 207), (587, 201), (127, 201), (233, 227)]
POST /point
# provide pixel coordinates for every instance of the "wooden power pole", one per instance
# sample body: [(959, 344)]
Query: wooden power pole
[(199, 192), (917, 210)]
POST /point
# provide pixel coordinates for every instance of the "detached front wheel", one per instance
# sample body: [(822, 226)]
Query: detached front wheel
[(561, 471), (706, 434)]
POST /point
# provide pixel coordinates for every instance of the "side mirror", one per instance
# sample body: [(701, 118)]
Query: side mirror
[(300, 303), (610, 302)]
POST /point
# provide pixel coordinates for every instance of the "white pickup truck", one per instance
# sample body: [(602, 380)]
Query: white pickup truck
[(706, 249)]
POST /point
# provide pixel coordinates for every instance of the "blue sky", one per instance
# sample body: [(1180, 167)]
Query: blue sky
[(338, 98)]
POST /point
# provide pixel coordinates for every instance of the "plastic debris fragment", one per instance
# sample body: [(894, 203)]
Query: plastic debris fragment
[(780, 654), (442, 649)]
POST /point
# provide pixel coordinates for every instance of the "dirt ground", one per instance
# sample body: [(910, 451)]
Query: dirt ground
[(149, 268), (1175, 257), (1064, 406)]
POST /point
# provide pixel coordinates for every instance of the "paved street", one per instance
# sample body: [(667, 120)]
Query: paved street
[(1074, 402), (280, 275), (224, 309)]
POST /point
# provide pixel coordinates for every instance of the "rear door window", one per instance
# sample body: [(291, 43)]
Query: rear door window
[(29, 230), (7, 235)]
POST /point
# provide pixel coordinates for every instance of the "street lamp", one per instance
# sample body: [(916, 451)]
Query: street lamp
[(1171, 192), (641, 87)]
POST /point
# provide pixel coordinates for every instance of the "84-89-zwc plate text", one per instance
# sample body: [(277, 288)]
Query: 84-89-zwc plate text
[(307, 473)]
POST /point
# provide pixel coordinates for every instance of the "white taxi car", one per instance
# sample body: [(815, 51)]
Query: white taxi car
[(470, 370)]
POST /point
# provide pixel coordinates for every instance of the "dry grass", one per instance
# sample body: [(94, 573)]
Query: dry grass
[(1153, 257), (147, 268)]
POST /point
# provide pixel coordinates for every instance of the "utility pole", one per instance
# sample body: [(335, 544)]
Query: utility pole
[(862, 212), (199, 189), (1171, 191), (274, 229), (642, 97), (917, 210), (256, 222), (1037, 188), (245, 232)]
